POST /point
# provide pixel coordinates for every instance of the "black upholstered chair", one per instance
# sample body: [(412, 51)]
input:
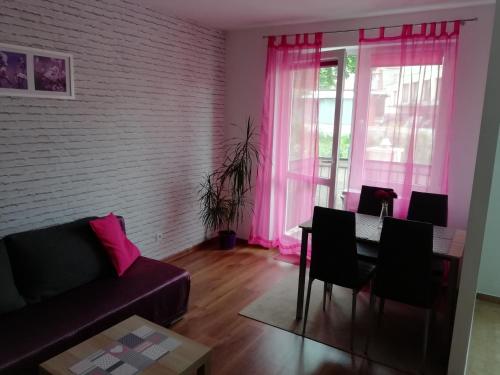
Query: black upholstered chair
[(428, 207), (369, 204), (404, 268), (334, 256)]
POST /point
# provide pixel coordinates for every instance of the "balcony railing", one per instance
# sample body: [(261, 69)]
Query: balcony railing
[(323, 190)]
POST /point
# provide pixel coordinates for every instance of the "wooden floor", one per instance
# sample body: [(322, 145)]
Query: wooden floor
[(222, 284)]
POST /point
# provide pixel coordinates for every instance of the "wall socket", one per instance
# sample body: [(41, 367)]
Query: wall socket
[(159, 237)]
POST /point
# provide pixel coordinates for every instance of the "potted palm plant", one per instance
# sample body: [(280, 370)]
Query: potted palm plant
[(224, 192)]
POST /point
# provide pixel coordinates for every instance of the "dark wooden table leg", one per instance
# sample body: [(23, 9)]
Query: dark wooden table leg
[(205, 369), (302, 274)]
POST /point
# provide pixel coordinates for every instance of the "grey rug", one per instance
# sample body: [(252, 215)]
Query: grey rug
[(397, 342)]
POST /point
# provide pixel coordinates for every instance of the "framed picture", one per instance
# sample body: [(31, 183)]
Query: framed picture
[(33, 72), (13, 71)]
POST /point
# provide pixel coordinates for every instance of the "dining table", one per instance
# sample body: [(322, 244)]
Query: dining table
[(448, 244)]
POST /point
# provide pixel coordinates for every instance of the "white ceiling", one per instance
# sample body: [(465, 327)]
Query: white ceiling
[(241, 14)]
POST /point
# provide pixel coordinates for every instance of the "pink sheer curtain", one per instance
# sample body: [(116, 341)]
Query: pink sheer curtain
[(404, 102), (285, 187)]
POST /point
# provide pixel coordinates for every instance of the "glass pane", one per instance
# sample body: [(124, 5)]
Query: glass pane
[(322, 195), (347, 107), (296, 210), (345, 130), (327, 96), (325, 168), (402, 106), (303, 110), (342, 182)]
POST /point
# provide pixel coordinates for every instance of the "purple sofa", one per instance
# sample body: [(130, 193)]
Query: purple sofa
[(71, 293)]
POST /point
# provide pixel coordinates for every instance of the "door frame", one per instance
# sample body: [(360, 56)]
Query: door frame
[(334, 58)]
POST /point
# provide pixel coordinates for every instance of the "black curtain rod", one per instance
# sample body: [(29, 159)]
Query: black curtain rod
[(462, 21)]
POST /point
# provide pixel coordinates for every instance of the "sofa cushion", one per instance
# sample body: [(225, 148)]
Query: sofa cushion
[(121, 251), (49, 261), (154, 290), (10, 299)]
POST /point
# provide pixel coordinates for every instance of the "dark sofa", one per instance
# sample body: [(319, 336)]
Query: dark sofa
[(70, 292)]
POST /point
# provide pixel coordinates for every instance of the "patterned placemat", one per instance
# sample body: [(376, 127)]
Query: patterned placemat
[(128, 355), (367, 227), (444, 232)]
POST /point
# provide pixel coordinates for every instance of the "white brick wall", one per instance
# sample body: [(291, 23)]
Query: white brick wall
[(147, 121)]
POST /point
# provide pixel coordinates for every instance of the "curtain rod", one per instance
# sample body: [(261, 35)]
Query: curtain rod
[(462, 21)]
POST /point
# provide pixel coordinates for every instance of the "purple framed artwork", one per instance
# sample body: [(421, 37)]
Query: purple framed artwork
[(50, 74), (33, 72), (13, 70)]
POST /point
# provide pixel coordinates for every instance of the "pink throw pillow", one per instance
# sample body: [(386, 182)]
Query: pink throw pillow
[(120, 250)]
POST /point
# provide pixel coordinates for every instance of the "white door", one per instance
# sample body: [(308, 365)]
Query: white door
[(332, 169)]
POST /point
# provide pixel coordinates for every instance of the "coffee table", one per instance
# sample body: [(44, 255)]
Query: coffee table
[(189, 358)]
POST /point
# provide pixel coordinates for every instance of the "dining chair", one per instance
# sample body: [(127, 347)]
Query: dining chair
[(334, 257), (369, 204), (429, 207), (404, 270)]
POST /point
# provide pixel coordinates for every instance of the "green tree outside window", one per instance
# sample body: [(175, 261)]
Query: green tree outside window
[(328, 76)]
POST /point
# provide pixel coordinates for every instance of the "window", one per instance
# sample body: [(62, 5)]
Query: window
[(398, 96)]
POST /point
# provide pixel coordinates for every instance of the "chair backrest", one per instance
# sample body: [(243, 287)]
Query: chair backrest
[(333, 252), (404, 265), (369, 204), (428, 207)]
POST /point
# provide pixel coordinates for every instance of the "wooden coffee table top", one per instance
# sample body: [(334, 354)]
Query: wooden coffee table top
[(185, 359)]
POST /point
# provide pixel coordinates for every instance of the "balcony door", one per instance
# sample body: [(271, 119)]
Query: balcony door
[(334, 135), (335, 93)]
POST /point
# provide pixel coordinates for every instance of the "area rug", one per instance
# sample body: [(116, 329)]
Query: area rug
[(397, 342)]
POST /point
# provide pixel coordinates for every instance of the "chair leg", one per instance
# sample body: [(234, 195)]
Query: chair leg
[(433, 316), (307, 305), (428, 317), (353, 315), (381, 311), (372, 294), (371, 320), (325, 289)]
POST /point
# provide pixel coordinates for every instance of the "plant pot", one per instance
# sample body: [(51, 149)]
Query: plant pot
[(227, 239)]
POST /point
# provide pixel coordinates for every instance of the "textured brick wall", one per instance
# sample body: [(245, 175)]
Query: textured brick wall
[(147, 121)]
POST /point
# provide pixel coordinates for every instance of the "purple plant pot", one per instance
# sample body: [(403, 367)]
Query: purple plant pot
[(227, 239)]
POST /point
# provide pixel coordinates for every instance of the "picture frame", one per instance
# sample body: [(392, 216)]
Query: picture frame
[(32, 72)]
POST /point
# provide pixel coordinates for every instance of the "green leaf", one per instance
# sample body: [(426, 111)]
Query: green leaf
[(224, 193)]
